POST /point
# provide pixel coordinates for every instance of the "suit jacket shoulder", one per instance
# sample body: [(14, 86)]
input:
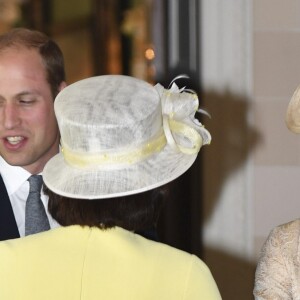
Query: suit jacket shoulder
[(8, 225)]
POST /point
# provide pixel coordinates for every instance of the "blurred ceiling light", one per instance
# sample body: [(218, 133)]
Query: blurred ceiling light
[(149, 54)]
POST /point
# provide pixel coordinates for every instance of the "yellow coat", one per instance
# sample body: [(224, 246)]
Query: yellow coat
[(72, 263)]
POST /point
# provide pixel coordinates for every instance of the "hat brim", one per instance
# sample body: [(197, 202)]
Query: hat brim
[(292, 118), (100, 182)]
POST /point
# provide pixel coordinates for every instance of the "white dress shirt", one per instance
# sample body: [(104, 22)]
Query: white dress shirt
[(17, 186)]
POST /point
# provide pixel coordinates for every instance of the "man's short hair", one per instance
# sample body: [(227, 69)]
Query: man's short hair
[(50, 52)]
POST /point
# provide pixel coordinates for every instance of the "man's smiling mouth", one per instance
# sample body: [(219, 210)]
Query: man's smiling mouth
[(13, 140)]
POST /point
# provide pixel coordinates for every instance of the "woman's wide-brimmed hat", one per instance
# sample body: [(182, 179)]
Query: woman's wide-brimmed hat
[(121, 135), (293, 112)]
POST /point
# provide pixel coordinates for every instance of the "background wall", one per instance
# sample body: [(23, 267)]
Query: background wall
[(250, 69)]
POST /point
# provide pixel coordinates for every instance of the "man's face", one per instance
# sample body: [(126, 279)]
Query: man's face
[(29, 134)]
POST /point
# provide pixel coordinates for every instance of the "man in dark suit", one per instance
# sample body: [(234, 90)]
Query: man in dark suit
[(31, 75)]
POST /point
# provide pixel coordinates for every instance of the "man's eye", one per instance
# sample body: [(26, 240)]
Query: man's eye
[(26, 101)]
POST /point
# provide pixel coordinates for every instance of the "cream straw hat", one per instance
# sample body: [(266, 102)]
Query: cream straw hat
[(293, 112), (121, 136)]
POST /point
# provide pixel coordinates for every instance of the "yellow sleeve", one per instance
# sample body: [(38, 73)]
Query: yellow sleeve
[(200, 282), (8, 272)]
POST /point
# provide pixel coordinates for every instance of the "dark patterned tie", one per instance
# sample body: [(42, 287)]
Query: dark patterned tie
[(36, 219)]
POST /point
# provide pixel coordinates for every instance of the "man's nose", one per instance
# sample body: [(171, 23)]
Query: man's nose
[(10, 116)]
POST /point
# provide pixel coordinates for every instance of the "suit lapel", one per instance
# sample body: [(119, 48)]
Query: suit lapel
[(8, 225)]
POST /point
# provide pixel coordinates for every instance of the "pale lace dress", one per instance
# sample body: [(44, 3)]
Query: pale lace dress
[(278, 270)]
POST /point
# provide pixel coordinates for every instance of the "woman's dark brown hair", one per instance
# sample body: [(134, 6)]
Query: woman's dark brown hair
[(135, 213)]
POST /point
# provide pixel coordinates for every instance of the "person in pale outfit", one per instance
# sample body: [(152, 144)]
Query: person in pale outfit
[(122, 141), (278, 271)]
